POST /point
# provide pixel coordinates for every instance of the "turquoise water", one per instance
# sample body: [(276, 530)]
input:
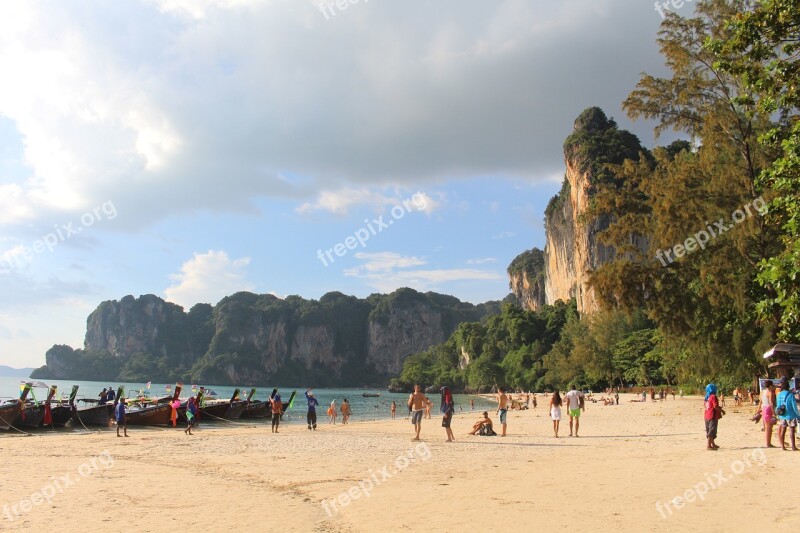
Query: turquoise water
[(362, 408)]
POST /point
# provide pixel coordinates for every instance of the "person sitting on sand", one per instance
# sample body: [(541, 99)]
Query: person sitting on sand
[(484, 422)]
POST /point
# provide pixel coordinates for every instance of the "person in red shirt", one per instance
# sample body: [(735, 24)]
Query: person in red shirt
[(713, 412)]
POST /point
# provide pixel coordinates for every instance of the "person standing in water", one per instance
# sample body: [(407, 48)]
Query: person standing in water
[(394, 409), (448, 407), (345, 411)]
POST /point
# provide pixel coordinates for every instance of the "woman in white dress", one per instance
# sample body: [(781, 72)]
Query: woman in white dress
[(555, 411)]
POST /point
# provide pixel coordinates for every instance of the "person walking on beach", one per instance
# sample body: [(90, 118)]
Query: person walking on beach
[(768, 411), (713, 412), (448, 407), (788, 415), (191, 414), (311, 416), (575, 404), (417, 403), (277, 410), (119, 415), (502, 409), (555, 411), (394, 409)]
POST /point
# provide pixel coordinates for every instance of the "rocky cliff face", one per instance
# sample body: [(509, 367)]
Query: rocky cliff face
[(572, 248), (261, 339), (407, 330)]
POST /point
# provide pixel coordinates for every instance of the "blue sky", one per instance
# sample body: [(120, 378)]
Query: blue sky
[(193, 148)]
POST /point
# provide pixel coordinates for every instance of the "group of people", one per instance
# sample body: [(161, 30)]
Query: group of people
[(419, 403), (780, 409), (344, 409)]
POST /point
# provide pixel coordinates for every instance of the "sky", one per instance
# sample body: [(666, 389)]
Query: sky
[(194, 148)]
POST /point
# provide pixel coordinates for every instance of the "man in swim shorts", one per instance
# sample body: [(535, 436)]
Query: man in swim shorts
[(417, 403), (502, 408), (575, 405)]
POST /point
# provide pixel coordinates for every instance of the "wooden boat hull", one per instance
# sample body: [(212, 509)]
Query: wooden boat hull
[(31, 417), (257, 409), (8, 415), (61, 414), (225, 410), (99, 415), (157, 415)]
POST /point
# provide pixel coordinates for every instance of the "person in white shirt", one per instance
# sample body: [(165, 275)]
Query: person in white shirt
[(575, 405)]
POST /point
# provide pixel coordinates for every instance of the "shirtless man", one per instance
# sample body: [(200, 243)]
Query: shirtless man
[(417, 403), (502, 408), (485, 421)]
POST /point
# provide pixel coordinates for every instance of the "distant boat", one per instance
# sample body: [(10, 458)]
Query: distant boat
[(371, 394)]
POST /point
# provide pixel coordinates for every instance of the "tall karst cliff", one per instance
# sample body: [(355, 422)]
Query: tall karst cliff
[(261, 339), (572, 248)]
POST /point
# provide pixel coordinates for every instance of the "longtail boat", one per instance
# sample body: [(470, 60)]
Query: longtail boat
[(226, 409), (61, 412), (9, 412), (96, 415), (255, 409), (159, 414)]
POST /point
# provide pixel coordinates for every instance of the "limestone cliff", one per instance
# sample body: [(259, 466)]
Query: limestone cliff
[(261, 339), (572, 248)]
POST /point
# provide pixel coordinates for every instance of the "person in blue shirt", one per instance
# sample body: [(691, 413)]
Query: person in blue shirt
[(789, 417), (311, 417), (119, 415), (111, 395)]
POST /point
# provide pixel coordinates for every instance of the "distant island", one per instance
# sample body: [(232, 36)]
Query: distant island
[(9, 372)]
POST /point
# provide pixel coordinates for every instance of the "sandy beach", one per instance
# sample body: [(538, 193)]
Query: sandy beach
[(623, 473)]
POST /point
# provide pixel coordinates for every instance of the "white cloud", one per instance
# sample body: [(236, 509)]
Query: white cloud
[(481, 261), (207, 278), (387, 271), (341, 201), (209, 102)]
